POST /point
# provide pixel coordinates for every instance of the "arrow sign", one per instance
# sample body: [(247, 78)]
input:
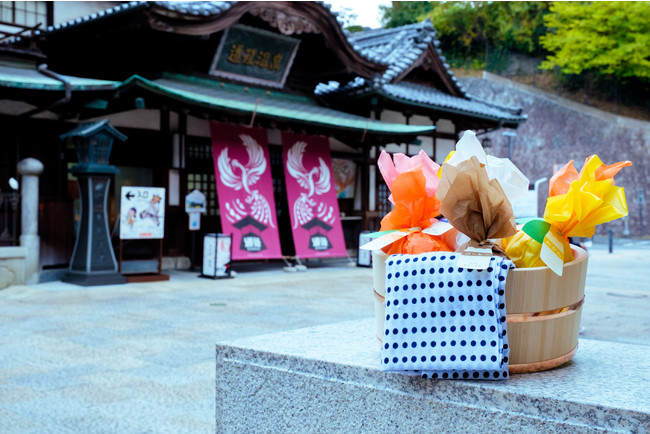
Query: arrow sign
[(129, 195)]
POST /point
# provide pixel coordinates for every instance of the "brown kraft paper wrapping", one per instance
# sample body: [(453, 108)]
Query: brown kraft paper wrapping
[(475, 205)]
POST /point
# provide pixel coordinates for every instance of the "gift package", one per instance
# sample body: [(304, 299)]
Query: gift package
[(450, 258)]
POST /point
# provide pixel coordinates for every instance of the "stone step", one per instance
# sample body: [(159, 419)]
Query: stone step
[(327, 378)]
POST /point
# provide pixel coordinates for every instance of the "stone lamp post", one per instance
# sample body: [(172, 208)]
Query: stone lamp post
[(93, 261)]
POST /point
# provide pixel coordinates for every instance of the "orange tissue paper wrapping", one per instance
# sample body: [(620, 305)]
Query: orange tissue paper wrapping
[(413, 184)]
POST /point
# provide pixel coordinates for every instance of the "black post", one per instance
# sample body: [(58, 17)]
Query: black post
[(193, 252), (611, 241)]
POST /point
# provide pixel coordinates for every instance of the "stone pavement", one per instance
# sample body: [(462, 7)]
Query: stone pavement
[(139, 358)]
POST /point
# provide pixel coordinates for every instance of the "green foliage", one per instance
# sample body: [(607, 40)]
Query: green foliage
[(470, 30), (517, 26), (460, 26), (599, 48), (608, 38), (483, 33), (355, 28), (404, 12)]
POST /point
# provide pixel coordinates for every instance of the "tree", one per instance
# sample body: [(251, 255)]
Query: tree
[(469, 30), (517, 25), (404, 12), (485, 31), (606, 38)]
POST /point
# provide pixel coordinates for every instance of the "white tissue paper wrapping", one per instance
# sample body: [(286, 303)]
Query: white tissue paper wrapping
[(512, 181)]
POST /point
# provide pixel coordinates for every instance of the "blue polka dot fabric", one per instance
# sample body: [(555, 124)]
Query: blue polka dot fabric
[(444, 321)]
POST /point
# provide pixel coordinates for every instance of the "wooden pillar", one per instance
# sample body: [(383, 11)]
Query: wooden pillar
[(164, 120), (365, 190), (407, 116), (434, 138)]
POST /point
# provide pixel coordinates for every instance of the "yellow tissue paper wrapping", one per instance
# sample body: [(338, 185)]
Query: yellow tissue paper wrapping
[(524, 251), (590, 200), (577, 203)]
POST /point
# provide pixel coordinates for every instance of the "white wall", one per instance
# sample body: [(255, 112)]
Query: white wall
[(443, 146), (147, 119), (445, 126)]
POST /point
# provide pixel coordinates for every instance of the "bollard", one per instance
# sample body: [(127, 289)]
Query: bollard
[(611, 241), (30, 169)]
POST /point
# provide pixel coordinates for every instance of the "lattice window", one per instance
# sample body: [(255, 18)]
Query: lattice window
[(199, 151), (27, 14), (383, 204), (279, 188)]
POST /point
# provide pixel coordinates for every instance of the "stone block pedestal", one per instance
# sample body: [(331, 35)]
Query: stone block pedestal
[(12, 266), (327, 379)]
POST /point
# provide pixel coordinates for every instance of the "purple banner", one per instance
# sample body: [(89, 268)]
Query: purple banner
[(313, 206), (245, 190)]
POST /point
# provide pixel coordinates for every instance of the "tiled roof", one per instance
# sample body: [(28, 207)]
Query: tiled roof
[(399, 47), (435, 98), (30, 78), (91, 17), (424, 96), (191, 8), (196, 8), (266, 104), (89, 128)]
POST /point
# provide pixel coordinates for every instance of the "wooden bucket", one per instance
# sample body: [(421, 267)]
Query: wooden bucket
[(543, 311), (544, 314), (379, 289)]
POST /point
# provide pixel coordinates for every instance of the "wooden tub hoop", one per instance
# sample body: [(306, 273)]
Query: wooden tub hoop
[(545, 315), (525, 368)]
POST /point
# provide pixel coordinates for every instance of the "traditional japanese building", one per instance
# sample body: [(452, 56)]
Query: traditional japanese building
[(181, 80)]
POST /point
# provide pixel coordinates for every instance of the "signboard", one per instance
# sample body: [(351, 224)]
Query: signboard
[(209, 255), (245, 190), (254, 56), (195, 202), (364, 256), (194, 221), (142, 213), (216, 255), (313, 207)]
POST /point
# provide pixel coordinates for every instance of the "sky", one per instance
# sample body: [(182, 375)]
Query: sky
[(367, 11)]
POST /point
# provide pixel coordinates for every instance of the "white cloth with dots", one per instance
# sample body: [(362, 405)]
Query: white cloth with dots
[(443, 321)]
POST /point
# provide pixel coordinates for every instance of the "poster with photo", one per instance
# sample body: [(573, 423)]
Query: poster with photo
[(344, 175)]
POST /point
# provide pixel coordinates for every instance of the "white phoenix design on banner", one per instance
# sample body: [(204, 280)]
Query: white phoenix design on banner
[(259, 207), (303, 207)]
